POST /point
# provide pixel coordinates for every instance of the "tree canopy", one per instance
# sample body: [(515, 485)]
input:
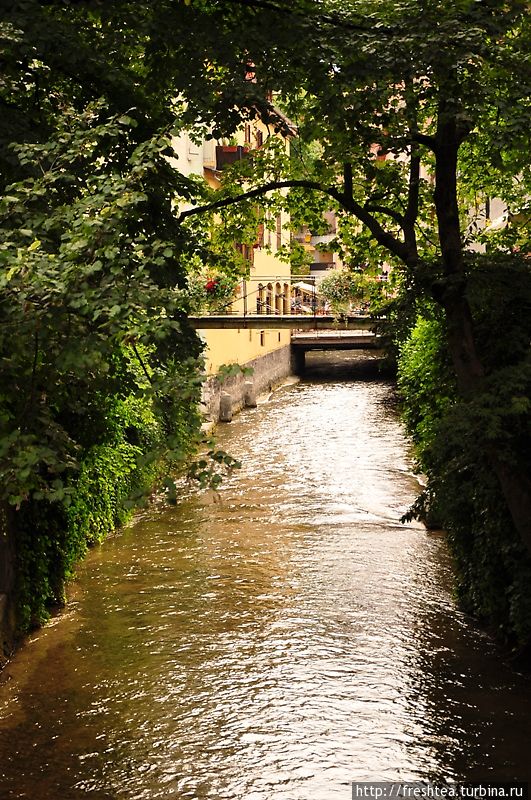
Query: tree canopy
[(99, 369), (92, 289), (419, 113), (410, 115)]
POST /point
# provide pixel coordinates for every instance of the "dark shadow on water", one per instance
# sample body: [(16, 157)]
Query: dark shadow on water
[(350, 365)]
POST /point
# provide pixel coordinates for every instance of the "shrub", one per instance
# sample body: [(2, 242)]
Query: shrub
[(453, 435)]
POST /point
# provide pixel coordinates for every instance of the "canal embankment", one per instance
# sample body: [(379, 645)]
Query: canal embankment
[(224, 396)]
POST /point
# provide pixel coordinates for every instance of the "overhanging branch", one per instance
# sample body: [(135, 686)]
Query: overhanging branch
[(272, 186), (373, 208), (427, 141), (383, 237)]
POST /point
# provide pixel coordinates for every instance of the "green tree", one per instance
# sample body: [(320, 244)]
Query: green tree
[(343, 287), (90, 247), (449, 433), (98, 365), (418, 107)]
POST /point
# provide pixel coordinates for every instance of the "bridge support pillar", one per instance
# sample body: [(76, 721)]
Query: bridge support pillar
[(225, 407), (298, 360), (249, 394)]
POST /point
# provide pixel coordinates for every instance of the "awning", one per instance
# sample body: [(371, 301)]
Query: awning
[(306, 287)]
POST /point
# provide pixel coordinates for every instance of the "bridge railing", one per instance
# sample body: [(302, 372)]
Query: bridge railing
[(277, 302), (277, 295)]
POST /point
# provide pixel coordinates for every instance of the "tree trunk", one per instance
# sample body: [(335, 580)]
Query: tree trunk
[(7, 581), (514, 483), (7, 551)]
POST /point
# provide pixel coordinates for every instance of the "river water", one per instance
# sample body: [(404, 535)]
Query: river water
[(275, 642)]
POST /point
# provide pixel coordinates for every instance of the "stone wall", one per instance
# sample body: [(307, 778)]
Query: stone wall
[(269, 371)]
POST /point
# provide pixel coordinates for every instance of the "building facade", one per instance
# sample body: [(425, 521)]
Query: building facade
[(265, 289)]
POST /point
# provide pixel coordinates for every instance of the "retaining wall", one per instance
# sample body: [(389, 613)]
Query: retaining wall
[(269, 371)]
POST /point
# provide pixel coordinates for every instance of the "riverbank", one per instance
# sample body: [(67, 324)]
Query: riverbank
[(124, 454), (92, 521)]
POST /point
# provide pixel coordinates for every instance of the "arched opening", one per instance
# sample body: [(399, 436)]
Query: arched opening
[(269, 299), (260, 299)]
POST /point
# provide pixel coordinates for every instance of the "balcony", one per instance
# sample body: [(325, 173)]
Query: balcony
[(229, 154)]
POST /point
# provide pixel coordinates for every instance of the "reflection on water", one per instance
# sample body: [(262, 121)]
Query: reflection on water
[(279, 641)]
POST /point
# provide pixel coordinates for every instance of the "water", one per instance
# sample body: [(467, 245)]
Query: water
[(279, 640)]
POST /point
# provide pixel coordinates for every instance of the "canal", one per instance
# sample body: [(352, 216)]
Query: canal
[(274, 642)]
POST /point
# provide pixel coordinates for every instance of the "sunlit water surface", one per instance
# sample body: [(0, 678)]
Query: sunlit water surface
[(279, 641)]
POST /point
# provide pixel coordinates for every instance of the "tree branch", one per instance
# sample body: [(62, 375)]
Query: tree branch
[(142, 364), (383, 237), (427, 141), (373, 208), (412, 208), (347, 181), (258, 192)]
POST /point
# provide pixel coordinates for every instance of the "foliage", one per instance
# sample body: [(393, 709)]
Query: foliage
[(209, 470), (211, 291), (231, 230), (98, 365), (451, 437), (53, 536), (425, 379), (368, 83), (227, 371), (80, 280), (345, 288), (299, 259)]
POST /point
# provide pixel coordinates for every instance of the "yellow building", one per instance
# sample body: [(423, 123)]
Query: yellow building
[(265, 290)]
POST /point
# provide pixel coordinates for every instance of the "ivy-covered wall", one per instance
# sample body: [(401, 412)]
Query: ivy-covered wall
[(126, 456)]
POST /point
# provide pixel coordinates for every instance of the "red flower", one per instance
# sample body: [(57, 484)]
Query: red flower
[(211, 285)]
